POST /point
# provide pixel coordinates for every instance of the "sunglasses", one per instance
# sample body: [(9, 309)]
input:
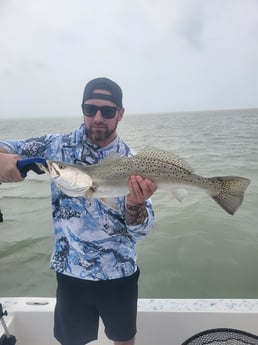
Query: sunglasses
[(107, 111)]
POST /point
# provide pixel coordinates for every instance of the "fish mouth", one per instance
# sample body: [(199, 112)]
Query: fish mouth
[(53, 170), (49, 168), (43, 167)]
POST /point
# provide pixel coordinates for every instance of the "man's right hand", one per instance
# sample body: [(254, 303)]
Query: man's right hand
[(8, 168)]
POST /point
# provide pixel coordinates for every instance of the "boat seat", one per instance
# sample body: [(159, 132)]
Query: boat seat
[(222, 336)]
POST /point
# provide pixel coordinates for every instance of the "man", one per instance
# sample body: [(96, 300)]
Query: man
[(95, 254), (8, 168)]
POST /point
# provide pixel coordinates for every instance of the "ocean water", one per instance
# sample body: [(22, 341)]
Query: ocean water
[(196, 250)]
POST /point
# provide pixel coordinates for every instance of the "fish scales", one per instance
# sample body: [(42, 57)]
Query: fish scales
[(160, 168)]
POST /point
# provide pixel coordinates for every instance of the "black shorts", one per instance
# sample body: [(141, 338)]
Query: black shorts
[(80, 303)]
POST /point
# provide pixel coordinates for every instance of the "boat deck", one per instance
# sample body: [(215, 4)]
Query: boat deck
[(160, 321)]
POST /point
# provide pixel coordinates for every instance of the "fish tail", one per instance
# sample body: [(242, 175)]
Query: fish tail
[(231, 192)]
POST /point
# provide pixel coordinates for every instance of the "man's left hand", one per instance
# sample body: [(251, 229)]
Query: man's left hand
[(140, 189)]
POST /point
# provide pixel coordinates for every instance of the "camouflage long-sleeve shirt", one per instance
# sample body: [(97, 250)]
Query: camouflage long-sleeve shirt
[(92, 240)]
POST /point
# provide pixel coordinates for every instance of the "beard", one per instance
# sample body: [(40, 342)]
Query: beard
[(100, 132)]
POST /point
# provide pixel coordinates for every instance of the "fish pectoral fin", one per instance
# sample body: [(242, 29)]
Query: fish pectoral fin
[(179, 194), (176, 191), (110, 202)]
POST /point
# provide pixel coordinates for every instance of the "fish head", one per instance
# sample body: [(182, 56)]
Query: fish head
[(69, 178)]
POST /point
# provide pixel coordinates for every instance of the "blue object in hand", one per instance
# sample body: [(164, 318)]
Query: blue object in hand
[(24, 165)]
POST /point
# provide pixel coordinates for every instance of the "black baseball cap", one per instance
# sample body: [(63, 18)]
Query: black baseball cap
[(103, 84)]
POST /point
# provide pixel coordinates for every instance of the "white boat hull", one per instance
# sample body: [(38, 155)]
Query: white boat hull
[(160, 321)]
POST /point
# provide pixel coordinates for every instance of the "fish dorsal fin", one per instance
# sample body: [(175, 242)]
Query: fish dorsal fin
[(111, 157), (164, 156)]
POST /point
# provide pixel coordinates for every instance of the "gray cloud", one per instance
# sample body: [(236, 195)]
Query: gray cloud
[(169, 55)]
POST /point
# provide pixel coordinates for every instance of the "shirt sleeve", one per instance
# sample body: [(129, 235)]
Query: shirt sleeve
[(34, 147), (141, 230)]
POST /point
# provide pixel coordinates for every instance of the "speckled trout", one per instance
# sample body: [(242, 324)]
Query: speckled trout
[(109, 178)]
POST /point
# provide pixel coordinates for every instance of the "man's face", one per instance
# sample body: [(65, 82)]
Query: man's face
[(100, 130)]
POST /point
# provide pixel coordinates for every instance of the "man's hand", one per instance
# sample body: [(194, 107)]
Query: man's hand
[(140, 190), (8, 169)]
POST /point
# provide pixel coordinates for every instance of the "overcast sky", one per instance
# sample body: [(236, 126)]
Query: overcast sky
[(167, 55)]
